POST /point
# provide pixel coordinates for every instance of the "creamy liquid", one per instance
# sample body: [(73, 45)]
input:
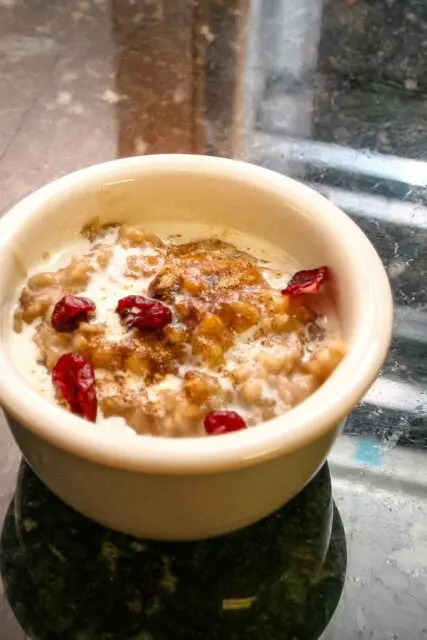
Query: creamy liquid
[(108, 285)]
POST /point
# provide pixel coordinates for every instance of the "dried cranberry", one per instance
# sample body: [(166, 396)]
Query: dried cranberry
[(219, 422), (70, 311), (143, 313), (308, 281), (73, 377)]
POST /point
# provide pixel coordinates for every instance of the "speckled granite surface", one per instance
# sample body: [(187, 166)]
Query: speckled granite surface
[(332, 92), (66, 577)]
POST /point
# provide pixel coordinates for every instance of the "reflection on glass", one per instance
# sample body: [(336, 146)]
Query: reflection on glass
[(69, 578)]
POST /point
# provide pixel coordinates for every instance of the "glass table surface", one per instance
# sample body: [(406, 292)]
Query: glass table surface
[(333, 93)]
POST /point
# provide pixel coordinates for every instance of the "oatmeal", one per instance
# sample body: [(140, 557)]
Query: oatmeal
[(176, 339)]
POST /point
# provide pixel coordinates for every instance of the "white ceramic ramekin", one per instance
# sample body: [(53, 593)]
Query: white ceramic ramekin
[(180, 489)]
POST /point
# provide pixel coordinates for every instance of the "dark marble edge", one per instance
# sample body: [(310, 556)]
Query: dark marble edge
[(66, 577)]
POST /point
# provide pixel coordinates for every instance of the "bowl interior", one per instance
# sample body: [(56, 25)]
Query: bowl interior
[(165, 190)]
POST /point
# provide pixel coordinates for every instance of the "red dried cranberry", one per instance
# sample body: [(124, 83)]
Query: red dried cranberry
[(70, 311), (308, 281), (219, 422), (73, 377), (143, 313)]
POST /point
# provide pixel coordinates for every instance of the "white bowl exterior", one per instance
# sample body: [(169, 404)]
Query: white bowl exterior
[(188, 488), (172, 507)]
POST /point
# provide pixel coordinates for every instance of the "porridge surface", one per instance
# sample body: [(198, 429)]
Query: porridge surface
[(234, 342)]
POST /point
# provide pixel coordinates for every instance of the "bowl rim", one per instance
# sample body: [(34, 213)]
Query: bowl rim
[(277, 437)]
